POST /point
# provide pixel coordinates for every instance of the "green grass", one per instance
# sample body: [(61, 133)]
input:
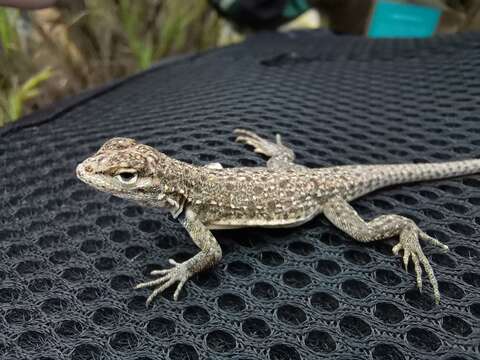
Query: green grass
[(20, 94), (90, 42)]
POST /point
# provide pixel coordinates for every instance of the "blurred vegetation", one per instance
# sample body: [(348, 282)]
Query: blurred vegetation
[(49, 54)]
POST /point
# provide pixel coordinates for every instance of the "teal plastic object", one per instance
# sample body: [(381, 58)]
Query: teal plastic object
[(392, 19)]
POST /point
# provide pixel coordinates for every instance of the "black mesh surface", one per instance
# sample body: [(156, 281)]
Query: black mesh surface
[(70, 255)]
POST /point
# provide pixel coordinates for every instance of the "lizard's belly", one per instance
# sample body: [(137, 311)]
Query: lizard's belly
[(261, 221)]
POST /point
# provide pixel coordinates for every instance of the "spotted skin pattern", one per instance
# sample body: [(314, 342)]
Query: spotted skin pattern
[(282, 194)]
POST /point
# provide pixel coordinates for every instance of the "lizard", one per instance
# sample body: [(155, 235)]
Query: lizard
[(281, 194)]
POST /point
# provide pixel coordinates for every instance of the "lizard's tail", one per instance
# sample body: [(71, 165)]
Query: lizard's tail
[(386, 175)]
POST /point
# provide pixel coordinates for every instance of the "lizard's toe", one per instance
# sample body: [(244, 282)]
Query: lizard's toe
[(409, 243), (179, 273), (259, 144), (179, 288), (406, 258), (425, 237), (418, 271), (247, 134), (152, 282), (256, 144)]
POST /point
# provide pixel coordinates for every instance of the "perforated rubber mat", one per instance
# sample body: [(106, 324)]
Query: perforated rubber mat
[(69, 255)]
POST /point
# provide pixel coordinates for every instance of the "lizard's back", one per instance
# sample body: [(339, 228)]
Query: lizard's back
[(258, 196)]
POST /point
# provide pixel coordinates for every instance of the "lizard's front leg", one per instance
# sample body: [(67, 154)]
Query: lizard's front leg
[(210, 254), (344, 217)]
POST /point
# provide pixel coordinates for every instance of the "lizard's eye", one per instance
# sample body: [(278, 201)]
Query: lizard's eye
[(127, 177)]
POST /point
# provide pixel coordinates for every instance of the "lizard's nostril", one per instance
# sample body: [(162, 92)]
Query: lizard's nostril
[(88, 168)]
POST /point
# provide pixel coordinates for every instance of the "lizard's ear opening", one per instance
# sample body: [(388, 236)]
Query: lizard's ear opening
[(128, 177)]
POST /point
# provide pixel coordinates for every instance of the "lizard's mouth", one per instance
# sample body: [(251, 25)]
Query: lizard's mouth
[(98, 181), (82, 172)]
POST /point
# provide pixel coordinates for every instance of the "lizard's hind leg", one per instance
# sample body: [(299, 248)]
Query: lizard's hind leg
[(344, 217), (280, 155)]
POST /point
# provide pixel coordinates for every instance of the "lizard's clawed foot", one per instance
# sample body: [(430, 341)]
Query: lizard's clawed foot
[(259, 144), (409, 243), (179, 273)]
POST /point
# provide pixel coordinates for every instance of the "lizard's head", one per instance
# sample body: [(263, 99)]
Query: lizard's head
[(124, 168)]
